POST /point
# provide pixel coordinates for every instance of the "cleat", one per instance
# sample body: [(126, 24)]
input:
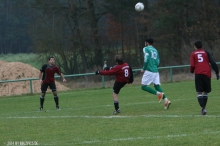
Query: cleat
[(167, 104), (116, 112), (57, 107), (160, 97), (41, 109), (203, 112)]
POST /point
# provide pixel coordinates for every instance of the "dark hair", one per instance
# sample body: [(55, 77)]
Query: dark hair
[(149, 40), (198, 44), (50, 57), (119, 59)]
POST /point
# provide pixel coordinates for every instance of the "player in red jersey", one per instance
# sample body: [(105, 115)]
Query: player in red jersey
[(200, 61), (46, 77), (123, 73)]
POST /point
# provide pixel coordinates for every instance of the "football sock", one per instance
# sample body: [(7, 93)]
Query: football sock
[(205, 99), (200, 100), (148, 89), (116, 104), (158, 88), (56, 100), (41, 101), (165, 100)]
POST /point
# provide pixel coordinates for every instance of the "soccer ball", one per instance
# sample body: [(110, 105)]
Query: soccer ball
[(139, 6)]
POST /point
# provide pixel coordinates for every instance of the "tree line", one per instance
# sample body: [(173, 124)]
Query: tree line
[(82, 34)]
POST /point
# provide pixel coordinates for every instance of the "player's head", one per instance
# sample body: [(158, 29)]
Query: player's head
[(198, 44), (51, 60), (149, 41), (119, 59)]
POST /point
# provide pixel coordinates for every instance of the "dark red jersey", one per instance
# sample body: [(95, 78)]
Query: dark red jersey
[(48, 73), (121, 72), (200, 61)]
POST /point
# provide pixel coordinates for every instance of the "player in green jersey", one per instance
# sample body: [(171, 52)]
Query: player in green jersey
[(151, 74)]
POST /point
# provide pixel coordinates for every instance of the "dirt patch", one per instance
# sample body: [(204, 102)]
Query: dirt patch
[(19, 70)]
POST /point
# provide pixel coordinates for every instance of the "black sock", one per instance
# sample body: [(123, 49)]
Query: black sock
[(116, 104), (201, 101), (41, 101), (56, 100), (205, 99)]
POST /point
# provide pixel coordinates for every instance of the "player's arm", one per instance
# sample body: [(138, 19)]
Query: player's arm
[(112, 71), (158, 59), (213, 64), (131, 79), (62, 76), (146, 56), (40, 76), (42, 70), (144, 66)]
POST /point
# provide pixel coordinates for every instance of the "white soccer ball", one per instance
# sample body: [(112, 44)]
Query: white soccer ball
[(139, 6)]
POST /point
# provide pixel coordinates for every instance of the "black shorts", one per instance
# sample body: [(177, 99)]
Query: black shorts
[(117, 86), (202, 83), (45, 86)]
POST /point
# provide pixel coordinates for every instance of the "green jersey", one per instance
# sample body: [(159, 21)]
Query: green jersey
[(151, 59)]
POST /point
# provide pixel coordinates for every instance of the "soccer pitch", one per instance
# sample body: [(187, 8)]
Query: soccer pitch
[(86, 118)]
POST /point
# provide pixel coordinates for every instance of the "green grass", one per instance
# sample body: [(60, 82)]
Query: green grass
[(86, 118), (30, 58)]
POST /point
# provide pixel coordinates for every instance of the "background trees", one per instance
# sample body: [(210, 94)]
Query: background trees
[(82, 34)]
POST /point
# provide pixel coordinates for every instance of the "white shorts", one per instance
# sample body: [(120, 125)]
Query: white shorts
[(150, 77)]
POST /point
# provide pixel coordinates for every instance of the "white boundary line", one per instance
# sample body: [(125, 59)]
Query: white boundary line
[(111, 117), (143, 138), (150, 137)]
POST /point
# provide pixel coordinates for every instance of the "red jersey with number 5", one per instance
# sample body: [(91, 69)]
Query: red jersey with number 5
[(199, 63), (121, 72)]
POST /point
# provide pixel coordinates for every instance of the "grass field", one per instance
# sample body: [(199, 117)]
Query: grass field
[(86, 118)]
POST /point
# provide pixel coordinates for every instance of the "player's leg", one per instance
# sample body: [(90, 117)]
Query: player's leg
[(147, 79), (116, 89), (208, 89), (42, 97), (54, 90), (199, 83), (157, 86), (116, 103), (201, 101), (167, 102), (205, 99)]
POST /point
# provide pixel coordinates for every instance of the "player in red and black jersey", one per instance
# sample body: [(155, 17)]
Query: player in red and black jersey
[(123, 74), (46, 77), (200, 61)]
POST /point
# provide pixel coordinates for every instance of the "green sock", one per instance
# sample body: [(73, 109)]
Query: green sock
[(158, 88), (148, 89)]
